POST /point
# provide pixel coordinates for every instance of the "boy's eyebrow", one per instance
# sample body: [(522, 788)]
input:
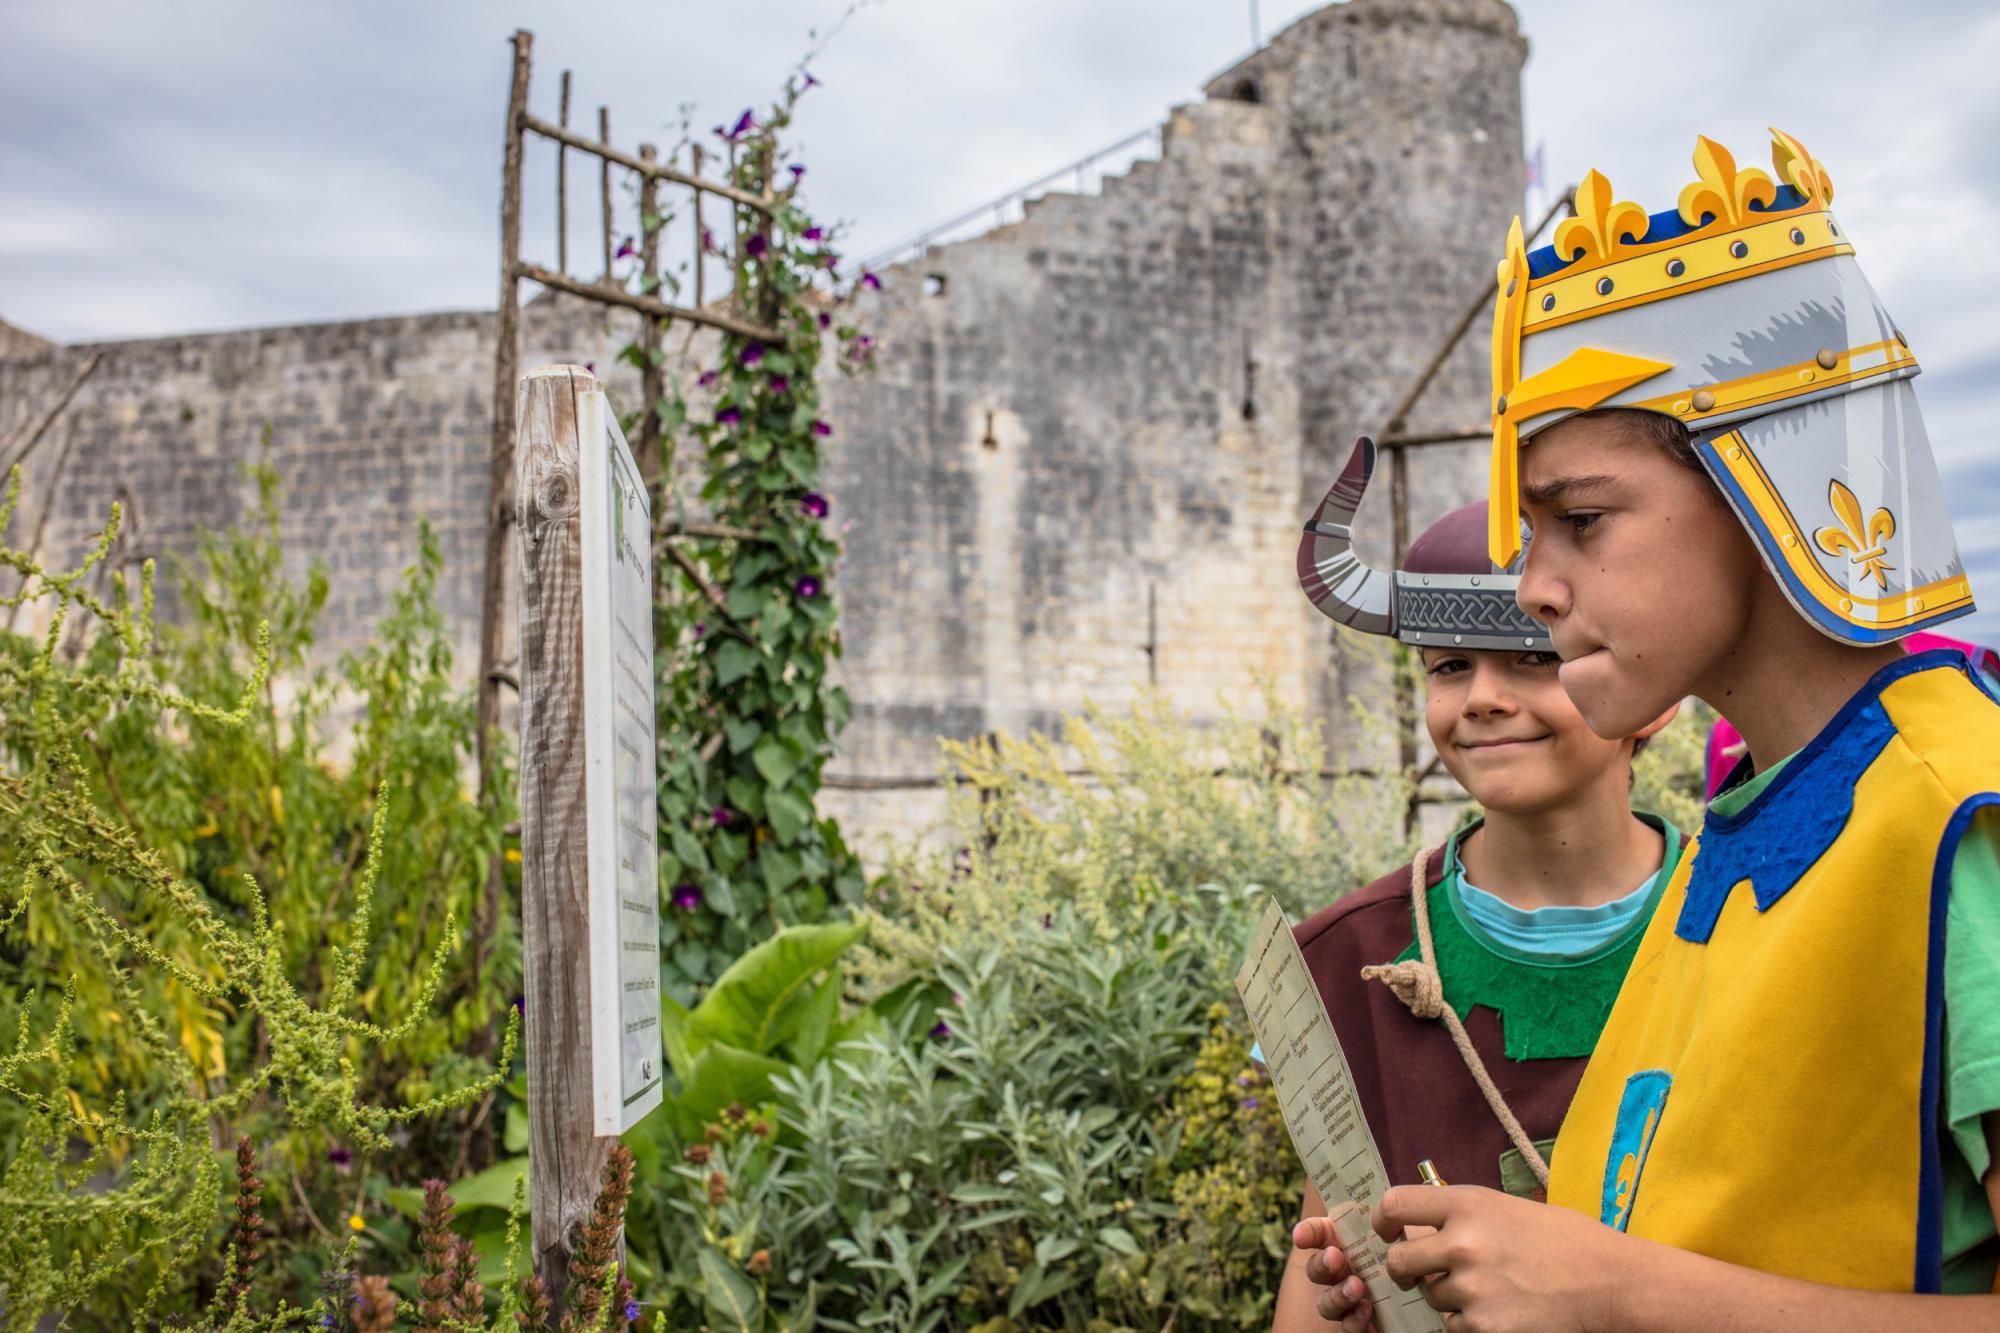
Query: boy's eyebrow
[(1548, 492)]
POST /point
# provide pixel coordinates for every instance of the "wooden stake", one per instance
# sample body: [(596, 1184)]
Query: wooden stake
[(566, 1156), (562, 185), (604, 185), (651, 381), (500, 473), (699, 254), (24, 443)]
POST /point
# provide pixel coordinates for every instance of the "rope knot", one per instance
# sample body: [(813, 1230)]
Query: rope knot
[(1415, 983)]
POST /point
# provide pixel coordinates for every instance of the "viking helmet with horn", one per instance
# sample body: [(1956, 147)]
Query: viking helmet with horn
[(1449, 594)]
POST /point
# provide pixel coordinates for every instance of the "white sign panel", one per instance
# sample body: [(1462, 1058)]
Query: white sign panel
[(621, 782)]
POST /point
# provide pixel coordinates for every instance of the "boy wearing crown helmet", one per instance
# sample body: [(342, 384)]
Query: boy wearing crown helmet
[(1469, 987), (1792, 1114)]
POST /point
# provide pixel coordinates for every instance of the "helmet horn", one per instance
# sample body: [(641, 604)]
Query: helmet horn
[(1331, 574)]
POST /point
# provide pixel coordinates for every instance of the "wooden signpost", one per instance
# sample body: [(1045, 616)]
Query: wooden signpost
[(589, 813)]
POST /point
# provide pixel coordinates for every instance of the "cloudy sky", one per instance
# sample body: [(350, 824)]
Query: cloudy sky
[(223, 163)]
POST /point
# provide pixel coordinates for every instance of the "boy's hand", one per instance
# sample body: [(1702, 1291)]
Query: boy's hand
[(1500, 1263), (1338, 1295)]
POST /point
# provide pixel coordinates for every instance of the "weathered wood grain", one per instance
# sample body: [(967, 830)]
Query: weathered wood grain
[(565, 1156)]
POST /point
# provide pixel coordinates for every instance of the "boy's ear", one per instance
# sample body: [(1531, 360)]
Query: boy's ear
[(1658, 724)]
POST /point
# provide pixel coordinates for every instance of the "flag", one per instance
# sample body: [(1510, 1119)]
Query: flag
[(1536, 167)]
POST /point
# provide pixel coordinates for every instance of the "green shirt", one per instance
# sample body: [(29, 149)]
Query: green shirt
[(1971, 1056)]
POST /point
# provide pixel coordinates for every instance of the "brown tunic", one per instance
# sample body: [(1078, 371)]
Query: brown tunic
[(1419, 1097)]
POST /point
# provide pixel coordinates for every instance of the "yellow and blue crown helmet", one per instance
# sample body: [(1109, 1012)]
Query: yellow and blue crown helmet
[(1741, 313)]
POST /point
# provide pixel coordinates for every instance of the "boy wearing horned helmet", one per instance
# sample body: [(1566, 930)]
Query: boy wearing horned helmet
[(1468, 988)]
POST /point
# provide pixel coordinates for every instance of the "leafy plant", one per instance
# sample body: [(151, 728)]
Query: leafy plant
[(746, 623), (192, 929)]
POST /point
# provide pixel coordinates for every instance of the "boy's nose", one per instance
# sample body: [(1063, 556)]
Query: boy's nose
[(1540, 593), (1488, 693)]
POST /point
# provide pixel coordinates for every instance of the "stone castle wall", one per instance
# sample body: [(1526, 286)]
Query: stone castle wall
[(1081, 465)]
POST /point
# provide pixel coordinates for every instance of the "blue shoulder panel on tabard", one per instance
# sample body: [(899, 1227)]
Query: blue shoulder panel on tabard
[(1801, 812)]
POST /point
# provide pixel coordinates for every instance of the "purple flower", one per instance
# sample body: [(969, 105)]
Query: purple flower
[(631, 1311), (590, 366), (941, 1031), (814, 504), (830, 259), (1249, 1103), (625, 250), (825, 320), (521, 1005), (722, 816), (811, 82), (728, 416), (326, 1321), (780, 385), (821, 429), (813, 233), (870, 280), (1244, 1080), (1048, 921), (708, 240), (807, 587), (339, 1156), (707, 378), (744, 124), (700, 628), (796, 170), (756, 246), (687, 897), (751, 355)]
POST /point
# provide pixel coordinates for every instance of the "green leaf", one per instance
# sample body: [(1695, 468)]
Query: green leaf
[(742, 734), (1119, 1239), (809, 1042), (761, 1000), (781, 870), (788, 815), (731, 1301), (682, 1045), (733, 661), (1050, 1249), (774, 759), (722, 1074), (515, 1138)]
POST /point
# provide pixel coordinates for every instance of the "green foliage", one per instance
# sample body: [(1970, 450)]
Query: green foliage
[(1670, 777), (210, 929), (1047, 1125), (746, 624)]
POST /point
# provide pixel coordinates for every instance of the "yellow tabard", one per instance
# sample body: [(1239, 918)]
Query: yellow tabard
[(1766, 1088)]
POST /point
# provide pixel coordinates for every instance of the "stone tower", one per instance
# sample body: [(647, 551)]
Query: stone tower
[(1081, 466), (1084, 462)]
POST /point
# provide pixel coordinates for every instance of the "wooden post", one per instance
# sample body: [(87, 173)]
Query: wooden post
[(604, 185), (500, 467), (700, 253), (565, 1154), (562, 184), (651, 382)]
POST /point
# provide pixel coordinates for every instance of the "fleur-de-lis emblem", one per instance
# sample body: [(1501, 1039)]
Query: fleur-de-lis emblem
[(1864, 545), (1724, 193), (1800, 169), (1602, 223)]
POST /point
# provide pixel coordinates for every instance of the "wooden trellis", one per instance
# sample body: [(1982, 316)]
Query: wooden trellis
[(568, 1156)]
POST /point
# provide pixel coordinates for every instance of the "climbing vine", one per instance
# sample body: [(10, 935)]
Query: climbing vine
[(746, 623)]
